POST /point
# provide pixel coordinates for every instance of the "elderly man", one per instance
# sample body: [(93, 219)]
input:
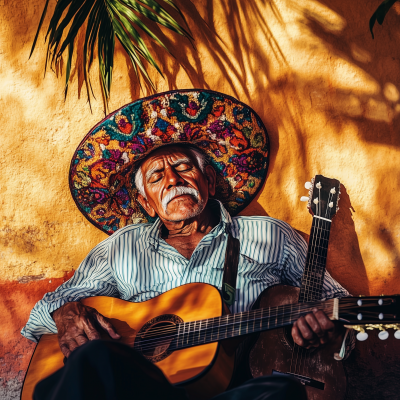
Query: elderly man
[(185, 244)]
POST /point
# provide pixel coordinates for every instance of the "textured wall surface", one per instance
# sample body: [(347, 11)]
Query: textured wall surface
[(327, 93)]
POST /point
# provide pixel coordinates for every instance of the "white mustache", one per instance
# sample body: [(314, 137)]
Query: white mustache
[(178, 191)]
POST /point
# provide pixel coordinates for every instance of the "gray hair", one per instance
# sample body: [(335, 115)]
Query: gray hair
[(200, 157)]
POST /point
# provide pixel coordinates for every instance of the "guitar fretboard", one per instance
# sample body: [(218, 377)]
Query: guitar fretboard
[(314, 270), (196, 333)]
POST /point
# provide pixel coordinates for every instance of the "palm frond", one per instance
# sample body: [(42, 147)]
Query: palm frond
[(106, 20)]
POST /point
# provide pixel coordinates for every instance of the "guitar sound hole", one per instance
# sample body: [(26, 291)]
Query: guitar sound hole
[(155, 337)]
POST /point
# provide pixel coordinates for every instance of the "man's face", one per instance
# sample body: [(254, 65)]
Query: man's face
[(175, 187)]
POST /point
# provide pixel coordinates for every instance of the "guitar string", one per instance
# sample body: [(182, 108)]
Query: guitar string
[(325, 231), (296, 349), (237, 327), (235, 331), (209, 332), (304, 353), (214, 321), (320, 228), (231, 321), (208, 337), (301, 350), (313, 286), (249, 314)]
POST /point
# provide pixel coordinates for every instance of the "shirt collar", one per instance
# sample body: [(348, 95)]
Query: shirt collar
[(154, 233)]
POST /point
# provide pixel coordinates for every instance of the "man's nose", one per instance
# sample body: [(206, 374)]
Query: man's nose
[(173, 178)]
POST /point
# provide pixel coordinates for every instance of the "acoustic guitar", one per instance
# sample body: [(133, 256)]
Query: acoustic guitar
[(187, 334), (323, 376)]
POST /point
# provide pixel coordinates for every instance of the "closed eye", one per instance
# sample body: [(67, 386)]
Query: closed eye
[(183, 167)]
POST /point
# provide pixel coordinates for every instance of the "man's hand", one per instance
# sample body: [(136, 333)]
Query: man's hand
[(76, 324), (315, 329)]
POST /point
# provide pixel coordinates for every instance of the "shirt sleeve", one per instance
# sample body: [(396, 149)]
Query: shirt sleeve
[(93, 278), (293, 263)]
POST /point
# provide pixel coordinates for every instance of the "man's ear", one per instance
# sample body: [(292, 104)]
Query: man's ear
[(211, 176), (146, 205)]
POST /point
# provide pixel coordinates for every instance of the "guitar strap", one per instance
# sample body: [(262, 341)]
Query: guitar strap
[(230, 270)]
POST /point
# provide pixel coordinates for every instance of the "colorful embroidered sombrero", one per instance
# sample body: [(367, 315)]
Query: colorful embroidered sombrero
[(232, 135)]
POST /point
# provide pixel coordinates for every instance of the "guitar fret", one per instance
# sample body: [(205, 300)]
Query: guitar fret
[(262, 311), (184, 340), (198, 339), (188, 336), (195, 330)]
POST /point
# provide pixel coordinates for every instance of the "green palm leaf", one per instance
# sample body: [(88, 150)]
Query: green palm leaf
[(105, 21)]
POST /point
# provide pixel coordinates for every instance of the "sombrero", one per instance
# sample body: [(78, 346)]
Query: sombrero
[(102, 169)]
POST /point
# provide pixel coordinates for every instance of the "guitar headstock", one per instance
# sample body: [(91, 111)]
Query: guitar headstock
[(368, 313), (323, 196)]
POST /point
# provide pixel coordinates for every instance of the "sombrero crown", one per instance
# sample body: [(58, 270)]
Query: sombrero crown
[(228, 131)]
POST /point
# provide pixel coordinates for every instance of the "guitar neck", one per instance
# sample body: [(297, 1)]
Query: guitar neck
[(314, 270), (196, 333)]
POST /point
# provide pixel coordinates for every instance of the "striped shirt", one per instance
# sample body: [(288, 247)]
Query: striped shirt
[(136, 264)]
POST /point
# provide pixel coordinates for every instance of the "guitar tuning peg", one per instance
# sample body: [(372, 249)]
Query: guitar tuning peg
[(303, 198), (361, 336), (383, 335), (397, 334), (308, 185)]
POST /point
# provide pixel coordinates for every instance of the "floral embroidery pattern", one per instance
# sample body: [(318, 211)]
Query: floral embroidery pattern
[(233, 136)]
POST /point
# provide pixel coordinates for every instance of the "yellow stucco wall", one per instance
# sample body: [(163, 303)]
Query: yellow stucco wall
[(328, 94)]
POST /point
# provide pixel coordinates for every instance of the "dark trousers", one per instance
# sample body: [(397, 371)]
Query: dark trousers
[(102, 370)]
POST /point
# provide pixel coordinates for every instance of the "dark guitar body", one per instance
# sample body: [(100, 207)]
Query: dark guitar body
[(273, 352)]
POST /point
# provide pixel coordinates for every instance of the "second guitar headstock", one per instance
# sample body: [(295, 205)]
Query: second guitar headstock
[(323, 196)]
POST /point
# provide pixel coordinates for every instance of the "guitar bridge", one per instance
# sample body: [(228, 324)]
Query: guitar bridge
[(304, 380)]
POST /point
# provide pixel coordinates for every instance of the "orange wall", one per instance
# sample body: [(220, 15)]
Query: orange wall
[(327, 93)]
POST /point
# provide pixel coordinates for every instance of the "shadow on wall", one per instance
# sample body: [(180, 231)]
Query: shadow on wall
[(312, 72), (262, 52), (306, 61)]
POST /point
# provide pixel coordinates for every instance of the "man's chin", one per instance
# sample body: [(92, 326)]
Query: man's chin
[(184, 213)]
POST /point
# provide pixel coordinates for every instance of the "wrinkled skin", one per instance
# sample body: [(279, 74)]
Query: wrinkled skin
[(163, 170), (317, 329), (76, 324)]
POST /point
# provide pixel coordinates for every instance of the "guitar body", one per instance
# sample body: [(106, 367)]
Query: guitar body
[(204, 371), (273, 352), (187, 334)]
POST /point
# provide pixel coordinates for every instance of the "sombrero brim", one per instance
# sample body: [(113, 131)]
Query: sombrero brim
[(228, 131)]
